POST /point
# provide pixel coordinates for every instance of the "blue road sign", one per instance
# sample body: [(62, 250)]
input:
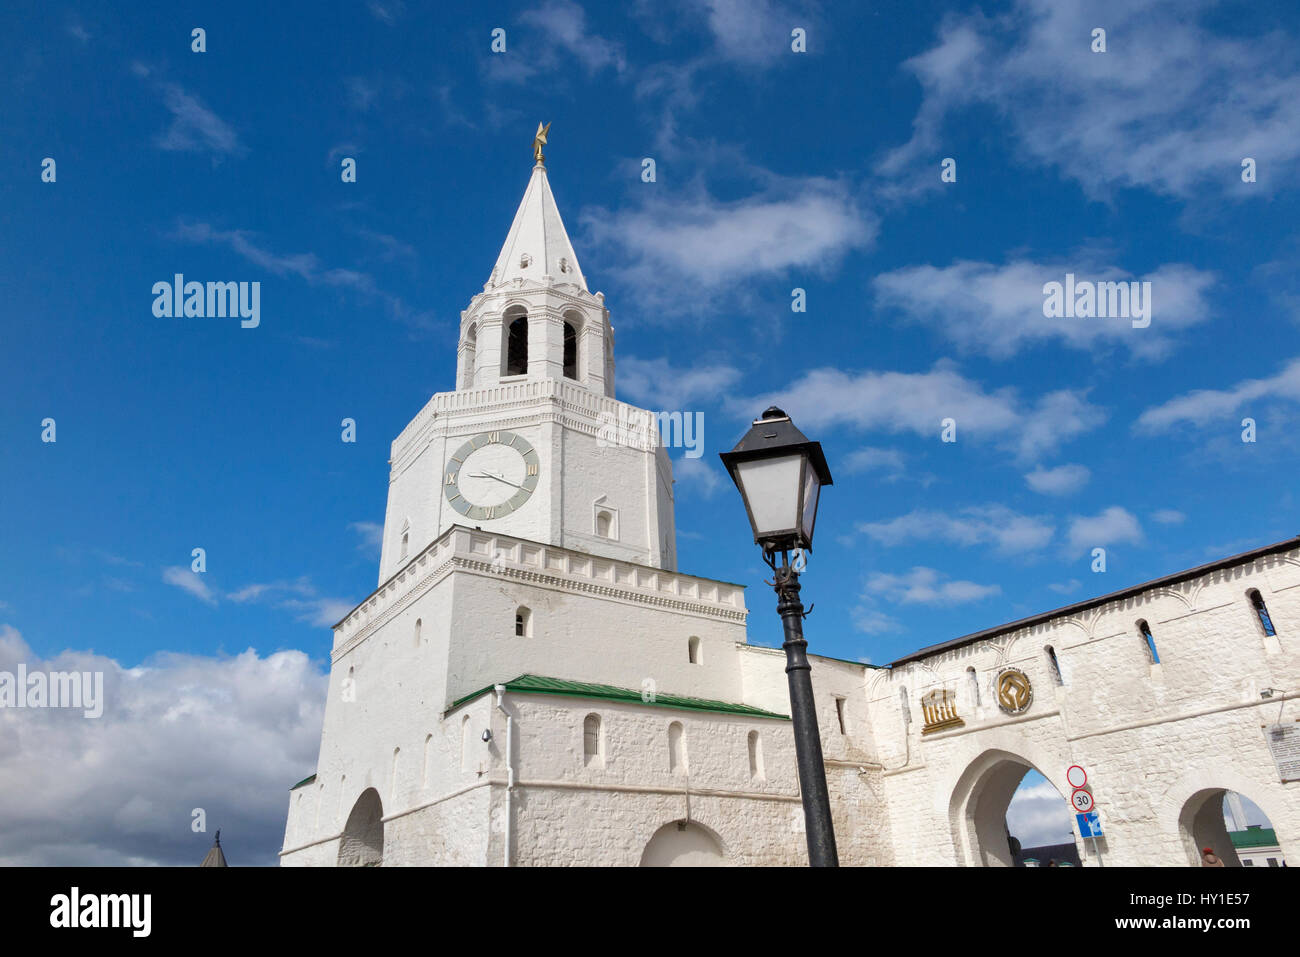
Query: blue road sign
[(1089, 824)]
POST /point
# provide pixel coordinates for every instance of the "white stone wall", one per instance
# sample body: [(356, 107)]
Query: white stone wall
[(1151, 737)]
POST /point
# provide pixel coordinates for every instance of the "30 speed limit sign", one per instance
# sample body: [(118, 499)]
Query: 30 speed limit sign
[(1082, 800)]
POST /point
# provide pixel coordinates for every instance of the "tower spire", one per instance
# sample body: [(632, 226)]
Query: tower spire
[(537, 248)]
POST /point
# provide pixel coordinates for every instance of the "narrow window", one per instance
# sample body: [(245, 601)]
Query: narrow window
[(591, 739), (905, 704), (406, 541), (603, 524), (755, 755), (676, 748), (523, 622), (570, 351), (428, 760), (693, 650), (517, 347), (1145, 630), (973, 680), (839, 712), (1257, 600), (466, 745), (1053, 666), (392, 791)]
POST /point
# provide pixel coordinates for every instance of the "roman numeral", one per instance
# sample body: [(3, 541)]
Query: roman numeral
[(489, 511), (532, 470), (494, 437), (451, 478)]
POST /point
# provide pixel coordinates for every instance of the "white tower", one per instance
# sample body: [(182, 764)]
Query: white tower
[(523, 446)]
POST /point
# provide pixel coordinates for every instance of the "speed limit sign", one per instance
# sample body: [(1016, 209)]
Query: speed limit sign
[(1082, 800)]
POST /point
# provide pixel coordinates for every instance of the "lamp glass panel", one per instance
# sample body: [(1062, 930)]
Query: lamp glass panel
[(811, 489), (772, 491)]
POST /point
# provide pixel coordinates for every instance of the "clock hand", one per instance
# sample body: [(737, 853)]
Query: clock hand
[(494, 475)]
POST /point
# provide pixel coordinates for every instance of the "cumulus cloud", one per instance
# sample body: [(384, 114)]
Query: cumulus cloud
[(1172, 106), (1008, 531), (1204, 406), (685, 251), (926, 586), (1061, 480), (1038, 815), (657, 384), (917, 402), (227, 734), (1111, 526), (997, 310), (563, 24)]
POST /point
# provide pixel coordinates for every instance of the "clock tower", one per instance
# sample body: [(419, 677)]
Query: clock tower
[(532, 442)]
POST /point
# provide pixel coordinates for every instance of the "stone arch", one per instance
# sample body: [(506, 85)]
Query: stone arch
[(1195, 805), (514, 341), (980, 797), (684, 844), (362, 843)]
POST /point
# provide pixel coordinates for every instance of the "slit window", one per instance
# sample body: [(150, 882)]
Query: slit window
[(755, 755), (693, 650), (1053, 665), (523, 622), (1150, 639), (839, 713), (973, 680), (1257, 602), (591, 751)]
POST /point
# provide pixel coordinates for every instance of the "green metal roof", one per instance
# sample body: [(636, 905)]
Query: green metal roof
[(538, 684), (307, 780), (1254, 837)]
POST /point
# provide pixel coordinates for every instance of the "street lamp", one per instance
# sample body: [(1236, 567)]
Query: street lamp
[(780, 474)]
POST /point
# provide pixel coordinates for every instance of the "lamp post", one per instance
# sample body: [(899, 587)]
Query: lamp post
[(780, 474)]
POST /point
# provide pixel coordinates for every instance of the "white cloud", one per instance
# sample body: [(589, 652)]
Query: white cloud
[(195, 128), (1168, 516), (1172, 106), (685, 251), (995, 525), (299, 597), (917, 402), (998, 310), (1039, 816), (699, 473), (873, 622), (1111, 526), (925, 586), (189, 581), (1066, 588), (564, 26), (869, 459), (1204, 406), (370, 538), (226, 734), (1061, 480), (657, 384)]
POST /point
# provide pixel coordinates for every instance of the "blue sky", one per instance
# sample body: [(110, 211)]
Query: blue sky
[(775, 170)]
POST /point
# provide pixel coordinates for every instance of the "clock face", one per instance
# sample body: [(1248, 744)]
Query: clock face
[(491, 475)]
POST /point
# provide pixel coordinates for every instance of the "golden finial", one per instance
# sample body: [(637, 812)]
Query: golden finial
[(539, 141)]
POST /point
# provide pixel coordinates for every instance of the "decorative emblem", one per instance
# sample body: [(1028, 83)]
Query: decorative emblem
[(539, 141), (1015, 693), (940, 709)]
